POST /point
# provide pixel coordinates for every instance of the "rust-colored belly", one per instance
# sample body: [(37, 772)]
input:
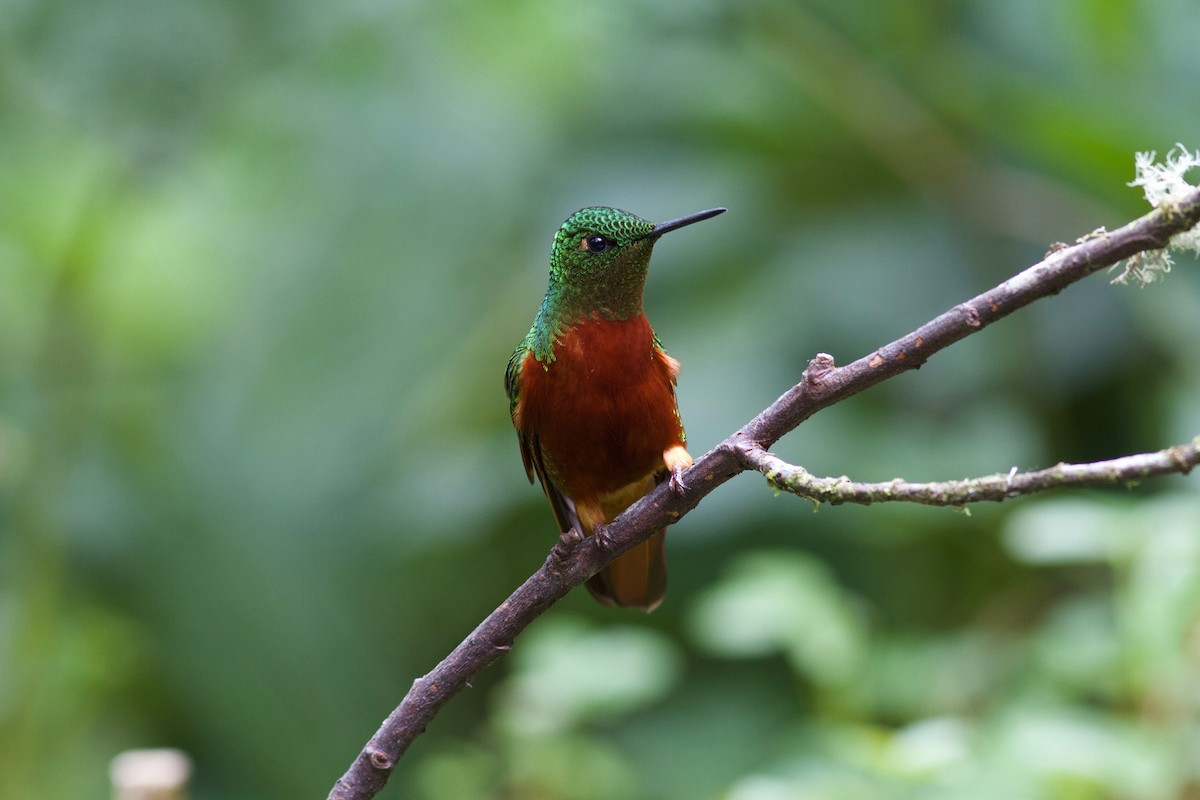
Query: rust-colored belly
[(604, 410)]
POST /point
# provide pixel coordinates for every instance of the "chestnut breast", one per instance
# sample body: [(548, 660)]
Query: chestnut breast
[(603, 411)]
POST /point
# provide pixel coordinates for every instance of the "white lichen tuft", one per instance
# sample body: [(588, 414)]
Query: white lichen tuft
[(1164, 183), (1164, 186), (1143, 268)]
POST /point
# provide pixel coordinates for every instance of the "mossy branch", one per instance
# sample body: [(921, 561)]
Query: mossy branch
[(574, 559), (786, 477)]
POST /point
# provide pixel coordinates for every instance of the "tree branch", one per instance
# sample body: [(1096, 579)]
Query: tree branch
[(835, 491), (573, 560)]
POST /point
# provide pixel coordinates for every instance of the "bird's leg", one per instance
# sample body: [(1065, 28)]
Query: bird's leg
[(677, 460), (568, 540), (591, 517), (600, 534), (587, 517)]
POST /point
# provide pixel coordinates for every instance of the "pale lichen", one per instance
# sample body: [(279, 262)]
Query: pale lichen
[(1165, 187)]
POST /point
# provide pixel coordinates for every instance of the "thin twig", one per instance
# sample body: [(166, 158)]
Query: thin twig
[(822, 385), (996, 488)]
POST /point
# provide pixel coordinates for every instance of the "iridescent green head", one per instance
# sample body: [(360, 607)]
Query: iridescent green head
[(599, 262)]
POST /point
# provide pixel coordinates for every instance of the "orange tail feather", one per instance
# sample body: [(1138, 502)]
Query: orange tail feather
[(638, 579)]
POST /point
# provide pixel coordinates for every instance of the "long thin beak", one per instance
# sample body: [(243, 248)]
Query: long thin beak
[(666, 227)]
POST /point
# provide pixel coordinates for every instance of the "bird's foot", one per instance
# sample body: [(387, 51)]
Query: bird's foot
[(568, 540), (677, 460), (601, 537), (676, 481)]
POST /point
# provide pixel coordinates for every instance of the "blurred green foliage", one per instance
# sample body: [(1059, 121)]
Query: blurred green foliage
[(262, 264)]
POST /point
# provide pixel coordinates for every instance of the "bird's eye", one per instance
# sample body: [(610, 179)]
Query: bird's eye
[(595, 244)]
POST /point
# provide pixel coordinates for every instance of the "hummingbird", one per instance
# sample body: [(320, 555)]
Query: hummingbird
[(591, 392)]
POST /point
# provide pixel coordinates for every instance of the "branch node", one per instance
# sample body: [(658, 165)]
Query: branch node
[(970, 315), (818, 369), (380, 759), (1178, 456)]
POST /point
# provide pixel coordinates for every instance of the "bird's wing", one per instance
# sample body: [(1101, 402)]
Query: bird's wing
[(531, 451), (512, 387), (562, 506)]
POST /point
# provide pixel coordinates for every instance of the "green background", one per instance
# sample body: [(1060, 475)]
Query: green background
[(262, 264)]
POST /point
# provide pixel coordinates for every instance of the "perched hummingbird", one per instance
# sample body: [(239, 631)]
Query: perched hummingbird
[(592, 392)]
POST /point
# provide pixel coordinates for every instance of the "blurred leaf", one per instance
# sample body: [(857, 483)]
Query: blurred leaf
[(567, 767), (1158, 605), (1080, 647), (460, 771), (930, 746), (1064, 531), (961, 671), (1064, 747), (787, 603), (567, 673)]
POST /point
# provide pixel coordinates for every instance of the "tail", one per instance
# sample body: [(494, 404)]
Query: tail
[(637, 579)]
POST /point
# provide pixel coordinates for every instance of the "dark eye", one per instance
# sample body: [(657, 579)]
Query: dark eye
[(596, 244)]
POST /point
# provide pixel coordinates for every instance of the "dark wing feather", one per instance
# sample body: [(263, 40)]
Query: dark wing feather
[(531, 452), (562, 506), (512, 387)]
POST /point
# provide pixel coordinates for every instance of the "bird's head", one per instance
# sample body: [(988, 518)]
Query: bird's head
[(601, 255)]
